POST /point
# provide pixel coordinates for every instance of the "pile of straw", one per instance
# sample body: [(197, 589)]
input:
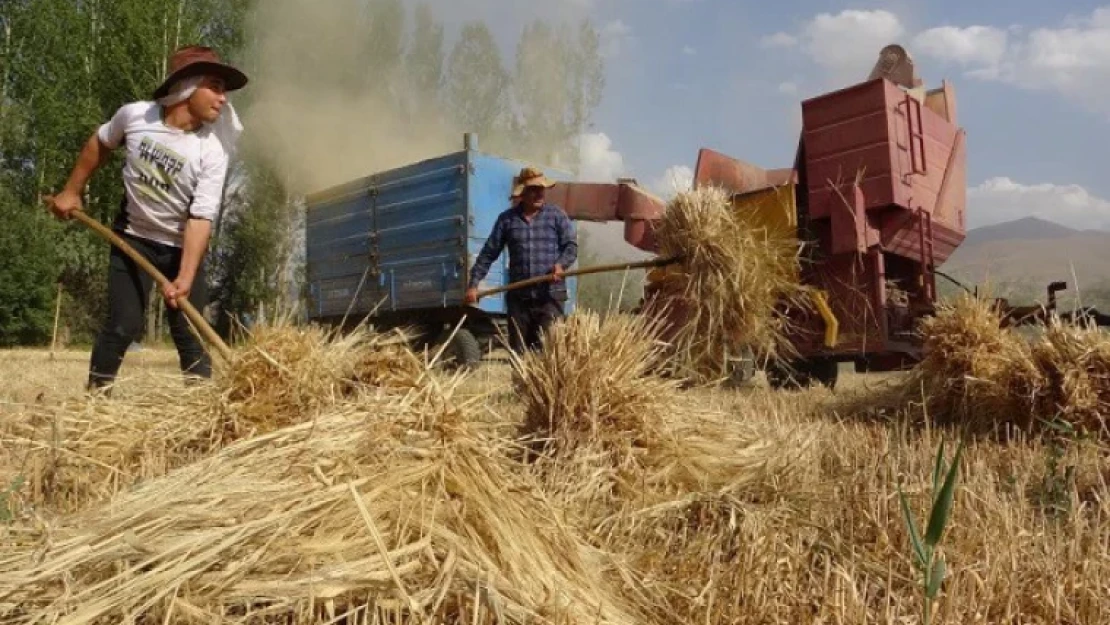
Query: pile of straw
[(286, 373), (595, 392), (80, 453), (983, 376), (1074, 361), (593, 382), (723, 297), (385, 508), (646, 473), (973, 368)]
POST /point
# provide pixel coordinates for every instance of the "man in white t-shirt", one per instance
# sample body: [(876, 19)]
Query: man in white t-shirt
[(177, 150)]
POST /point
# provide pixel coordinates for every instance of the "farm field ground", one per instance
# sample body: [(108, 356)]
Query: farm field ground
[(815, 533)]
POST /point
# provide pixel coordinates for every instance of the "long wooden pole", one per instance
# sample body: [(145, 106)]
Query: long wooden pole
[(57, 315), (645, 264), (191, 312)]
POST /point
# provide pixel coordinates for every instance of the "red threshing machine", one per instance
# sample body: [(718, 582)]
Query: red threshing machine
[(876, 197)]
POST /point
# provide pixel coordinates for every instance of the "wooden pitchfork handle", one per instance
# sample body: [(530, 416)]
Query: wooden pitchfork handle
[(645, 264), (191, 312)]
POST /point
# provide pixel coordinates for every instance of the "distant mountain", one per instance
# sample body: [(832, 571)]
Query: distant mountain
[(1026, 229), (1020, 258)]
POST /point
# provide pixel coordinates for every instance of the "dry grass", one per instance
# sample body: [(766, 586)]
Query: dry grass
[(392, 504), (592, 383), (987, 378), (83, 451), (387, 506), (733, 278), (1074, 361), (975, 372), (289, 373)]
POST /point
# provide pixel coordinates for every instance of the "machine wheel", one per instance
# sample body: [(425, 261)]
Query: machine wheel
[(464, 351), (804, 373)]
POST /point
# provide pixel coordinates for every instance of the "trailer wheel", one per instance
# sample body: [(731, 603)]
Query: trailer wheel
[(463, 352)]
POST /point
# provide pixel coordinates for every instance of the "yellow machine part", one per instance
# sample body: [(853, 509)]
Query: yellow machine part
[(775, 210)]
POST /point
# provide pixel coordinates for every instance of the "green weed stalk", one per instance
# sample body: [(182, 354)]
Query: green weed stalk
[(931, 564)]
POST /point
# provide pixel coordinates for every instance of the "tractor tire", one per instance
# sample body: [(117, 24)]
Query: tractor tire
[(464, 350)]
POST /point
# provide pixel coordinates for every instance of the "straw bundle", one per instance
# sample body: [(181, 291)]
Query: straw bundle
[(974, 371), (389, 509), (79, 453), (1074, 361), (724, 295), (618, 433), (982, 375), (592, 382), (286, 373)]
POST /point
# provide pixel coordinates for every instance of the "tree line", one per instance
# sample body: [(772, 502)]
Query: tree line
[(67, 65)]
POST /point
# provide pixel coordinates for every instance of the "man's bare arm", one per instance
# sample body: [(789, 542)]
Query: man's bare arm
[(93, 156), (197, 233)]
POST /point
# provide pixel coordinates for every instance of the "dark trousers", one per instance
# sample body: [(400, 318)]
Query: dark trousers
[(528, 318), (128, 292)]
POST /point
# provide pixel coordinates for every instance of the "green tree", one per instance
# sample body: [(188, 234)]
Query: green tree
[(250, 265), (385, 47), (28, 274)]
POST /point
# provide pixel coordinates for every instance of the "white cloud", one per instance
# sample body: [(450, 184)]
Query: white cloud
[(1072, 60), (984, 45), (1002, 199), (599, 162), (674, 180), (779, 40), (789, 88), (847, 44), (689, 50), (615, 37)]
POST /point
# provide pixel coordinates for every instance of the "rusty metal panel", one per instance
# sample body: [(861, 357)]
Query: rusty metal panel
[(586, 201), (716, 169), (589, 201), (905, 156)]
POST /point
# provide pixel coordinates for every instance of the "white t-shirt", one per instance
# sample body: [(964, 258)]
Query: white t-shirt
[(169, 175)]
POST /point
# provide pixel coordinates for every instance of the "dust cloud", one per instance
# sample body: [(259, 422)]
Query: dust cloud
[(329, 103), (319, 109)]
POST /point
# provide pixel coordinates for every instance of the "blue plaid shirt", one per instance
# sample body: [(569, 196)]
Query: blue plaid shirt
[(534, 249)]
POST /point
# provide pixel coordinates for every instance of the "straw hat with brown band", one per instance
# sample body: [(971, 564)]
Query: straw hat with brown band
[(529, 177)]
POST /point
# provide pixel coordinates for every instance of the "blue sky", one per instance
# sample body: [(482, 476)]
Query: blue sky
[(1032, 81)]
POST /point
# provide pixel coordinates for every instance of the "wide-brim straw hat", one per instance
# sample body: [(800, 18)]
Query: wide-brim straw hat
[(197, 60), (529, 177)]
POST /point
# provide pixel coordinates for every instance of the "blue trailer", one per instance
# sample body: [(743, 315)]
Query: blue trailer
[(397, 246)]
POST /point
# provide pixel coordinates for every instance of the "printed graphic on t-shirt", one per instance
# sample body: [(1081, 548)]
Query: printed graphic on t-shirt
[(157, 165)]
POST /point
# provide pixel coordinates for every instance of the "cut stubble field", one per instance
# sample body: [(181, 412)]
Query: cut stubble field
[(705, 505)]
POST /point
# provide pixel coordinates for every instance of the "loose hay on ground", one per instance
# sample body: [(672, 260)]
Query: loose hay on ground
[(386, 504), (974, 371), (646, 472), (287, 373), (81, 452)]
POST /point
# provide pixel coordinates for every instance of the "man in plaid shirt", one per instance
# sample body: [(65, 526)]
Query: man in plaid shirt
[(541, 241)]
